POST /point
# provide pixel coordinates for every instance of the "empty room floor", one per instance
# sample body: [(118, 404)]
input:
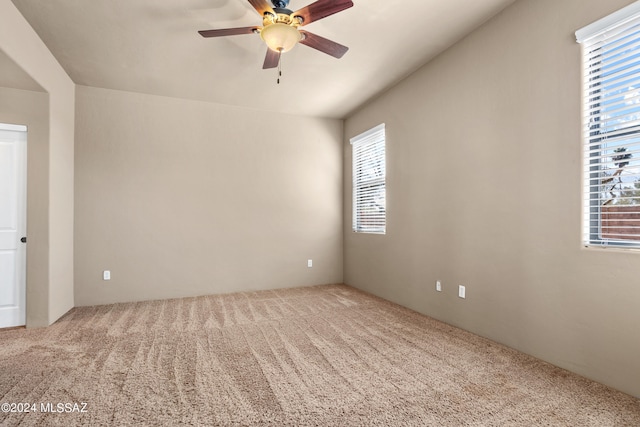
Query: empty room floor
[(315, 356)]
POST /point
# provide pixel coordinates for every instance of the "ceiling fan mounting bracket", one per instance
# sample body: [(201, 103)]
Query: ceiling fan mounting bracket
[(280, 4)]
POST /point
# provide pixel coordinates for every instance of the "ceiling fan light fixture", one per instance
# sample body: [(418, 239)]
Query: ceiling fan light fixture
[(280, 37)]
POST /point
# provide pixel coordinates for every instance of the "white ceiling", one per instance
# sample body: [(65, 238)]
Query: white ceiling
[(152, 46)]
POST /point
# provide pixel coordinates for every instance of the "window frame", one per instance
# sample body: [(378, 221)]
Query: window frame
[(597, 147), (365, 189)]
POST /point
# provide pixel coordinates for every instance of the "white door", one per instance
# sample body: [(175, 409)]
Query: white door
[(13, 224)]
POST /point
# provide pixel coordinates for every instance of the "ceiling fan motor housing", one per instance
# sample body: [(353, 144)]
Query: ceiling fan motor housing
[(280, 4)]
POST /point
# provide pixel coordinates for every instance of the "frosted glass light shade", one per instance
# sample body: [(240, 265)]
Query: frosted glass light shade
[(280, 37)]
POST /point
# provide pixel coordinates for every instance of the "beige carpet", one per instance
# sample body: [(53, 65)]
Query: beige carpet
[(319, 356)]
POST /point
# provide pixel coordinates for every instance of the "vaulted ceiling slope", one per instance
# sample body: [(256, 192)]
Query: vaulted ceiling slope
[(12, 76), (153, 47)]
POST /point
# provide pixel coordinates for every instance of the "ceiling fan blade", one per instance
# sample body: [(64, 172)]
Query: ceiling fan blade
[(261, 6), (323, 45), (271, 60), (322, 9), (227, 32)]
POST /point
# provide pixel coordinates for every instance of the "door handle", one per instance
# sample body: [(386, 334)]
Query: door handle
[(23, 240)]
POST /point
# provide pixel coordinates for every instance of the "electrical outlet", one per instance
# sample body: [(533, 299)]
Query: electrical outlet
[(106, 275), (462, 291), (309, 263), (438, 286)]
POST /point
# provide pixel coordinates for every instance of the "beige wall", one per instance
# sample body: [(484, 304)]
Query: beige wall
[(179, 198), (22, 45), (484, 169), (32, 109)]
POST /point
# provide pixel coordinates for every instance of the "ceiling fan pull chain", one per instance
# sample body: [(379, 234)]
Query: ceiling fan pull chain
[(279, 64)]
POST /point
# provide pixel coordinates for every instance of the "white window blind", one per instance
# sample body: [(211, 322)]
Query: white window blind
[(611, 116), (369, 181)]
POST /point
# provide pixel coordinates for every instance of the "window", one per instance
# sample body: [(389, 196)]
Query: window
[(369, 176), (611, 116)]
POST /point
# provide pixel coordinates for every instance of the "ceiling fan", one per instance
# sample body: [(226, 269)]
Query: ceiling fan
[(280, 28)]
